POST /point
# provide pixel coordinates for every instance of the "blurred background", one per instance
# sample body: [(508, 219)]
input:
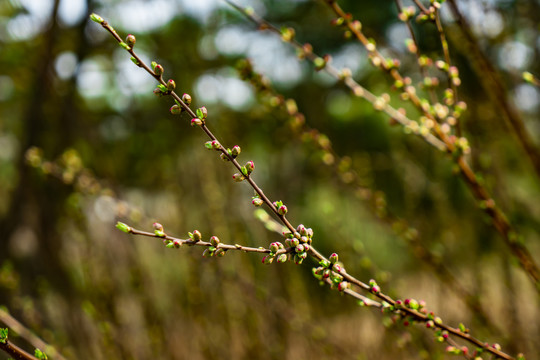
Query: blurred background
[(84, 143)]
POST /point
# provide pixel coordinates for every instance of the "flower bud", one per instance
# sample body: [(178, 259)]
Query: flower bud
[(274, 247), (208, 145), (158, 69), (123, 227), (282, 210), (282, 258), (202, 113), (333, 258), (250, 165), (216, 145), (219, 253), (158, 230), (224, 157), (268, 259), (238, 177), (299, 248), (186, 98), (175, 109), (130, 40), (214, 240), (235, 151), (196, 122), (177, 244), (171, 85), (257, 201), (343, 285), (196, 235)]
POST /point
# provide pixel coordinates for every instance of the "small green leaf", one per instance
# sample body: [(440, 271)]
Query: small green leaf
[(40, 354), (3, 335), (125, 46)]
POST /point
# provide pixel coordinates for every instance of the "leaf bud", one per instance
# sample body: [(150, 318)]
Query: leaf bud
[(123, 227), (96, 18)]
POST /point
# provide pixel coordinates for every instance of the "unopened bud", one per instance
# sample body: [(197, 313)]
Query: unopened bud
[(96, 18), (257, 201), (123, 227), (196, 235), (186, 98), (333, 258), (238, 177), (171, 85), (130, 40), (196, 122), (176, 109), (282, 210), (202, 113), (236, 150), (250, 165), (214, 240), (158, 69)]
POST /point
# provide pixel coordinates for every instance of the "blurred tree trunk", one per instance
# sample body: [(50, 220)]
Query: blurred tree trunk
[(49, 123)]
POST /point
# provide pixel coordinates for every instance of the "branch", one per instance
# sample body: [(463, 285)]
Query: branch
[(298, 240), (13, 350), (451, 144)]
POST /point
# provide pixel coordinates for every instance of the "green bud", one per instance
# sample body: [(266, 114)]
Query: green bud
[(257, 201), (202, 113), (124, 45), (282, 258), (319, 63), (96, 18), (135, 61), (333, 258), (123, 227)]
